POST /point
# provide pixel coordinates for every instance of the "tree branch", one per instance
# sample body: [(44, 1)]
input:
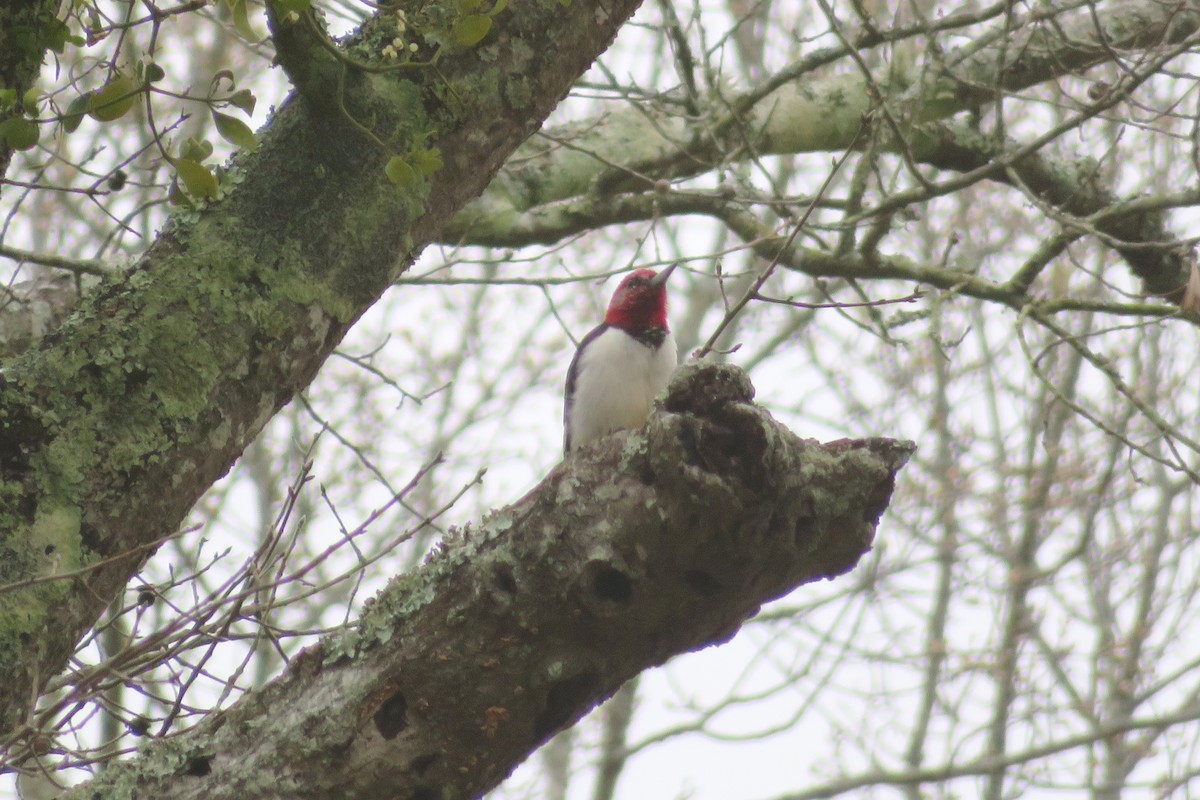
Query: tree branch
[(1141, 236), (584, 163), (652, 543)]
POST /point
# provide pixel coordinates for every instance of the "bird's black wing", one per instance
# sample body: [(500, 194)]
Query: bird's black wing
[(572, 373)]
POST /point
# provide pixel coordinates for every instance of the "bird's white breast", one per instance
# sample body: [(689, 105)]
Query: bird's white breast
[(617, 381)]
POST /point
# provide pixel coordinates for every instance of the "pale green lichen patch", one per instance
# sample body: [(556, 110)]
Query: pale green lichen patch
[(566, 490), (804, 118), (408, 593), (519, 54), (633, 449), (51, 547), (54, 536), (182, 366), (497, 522), (401, 598), (63, 465), (147, 369), (518, 93), (224, 284), (219, 437)]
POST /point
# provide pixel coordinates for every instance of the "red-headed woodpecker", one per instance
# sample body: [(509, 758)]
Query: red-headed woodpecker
[(623, 363)]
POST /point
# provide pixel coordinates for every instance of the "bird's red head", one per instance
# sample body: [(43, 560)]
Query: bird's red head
[(640, 301)]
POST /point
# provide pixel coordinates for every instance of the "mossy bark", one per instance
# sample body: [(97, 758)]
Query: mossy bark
[(118, 421), (648, 544)]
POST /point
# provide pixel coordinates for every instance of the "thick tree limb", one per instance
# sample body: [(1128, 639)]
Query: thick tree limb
[(536, 197), (1139, 235), (652, 543), (117, 422)]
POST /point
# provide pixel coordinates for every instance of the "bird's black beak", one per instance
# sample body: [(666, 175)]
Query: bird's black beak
[(661, 278)]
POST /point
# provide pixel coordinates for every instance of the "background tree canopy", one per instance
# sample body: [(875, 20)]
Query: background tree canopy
[(272, 402)]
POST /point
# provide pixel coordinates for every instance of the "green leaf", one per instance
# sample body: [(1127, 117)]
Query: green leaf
[(56, 35), (114, 99), (30, 101), (467, 6), (241, 21), (283, 7), (196, 150), (243, 99), (197, 178), (154, 73), (400, 172), (234, 131), (175, 195), (221, 75), (75, 111), (426, 162), (496, 9), (8, 97), (470, 30), (19, 133)]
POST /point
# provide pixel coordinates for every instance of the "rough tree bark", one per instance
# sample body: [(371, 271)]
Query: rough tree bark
[(651, 543), (121, 418)]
